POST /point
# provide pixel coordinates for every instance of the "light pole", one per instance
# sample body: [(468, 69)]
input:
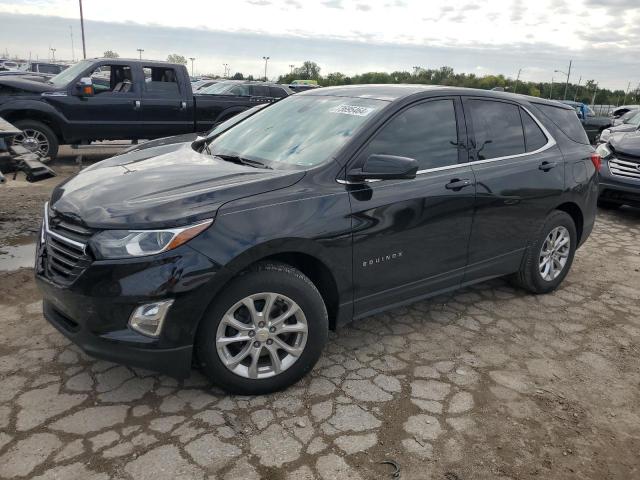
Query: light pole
[(192, 59), (84, 48), (577, 89), (140, 50), (626, 93), (566, 86), (225, 65), (291, 67), (551, 89), (266, 60), (73, 50), (53, 55), (515, 90)]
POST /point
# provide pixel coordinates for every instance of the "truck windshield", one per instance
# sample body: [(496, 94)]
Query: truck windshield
[(66, 76), (297, 132)]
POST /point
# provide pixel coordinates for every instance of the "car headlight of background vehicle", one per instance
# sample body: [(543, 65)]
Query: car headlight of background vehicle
[(605, 135), (604, 150), (112, 244)]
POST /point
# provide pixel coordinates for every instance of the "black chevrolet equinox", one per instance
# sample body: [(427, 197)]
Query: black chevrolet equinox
[(238, 251)]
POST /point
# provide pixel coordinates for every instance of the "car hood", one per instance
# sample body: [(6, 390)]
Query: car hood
[(26, 85), (627, 143), (623, 127), (159, 187)]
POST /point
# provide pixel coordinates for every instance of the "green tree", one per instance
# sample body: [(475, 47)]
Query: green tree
[(110, 54), (308, 71), (175, 58), (238, 76)]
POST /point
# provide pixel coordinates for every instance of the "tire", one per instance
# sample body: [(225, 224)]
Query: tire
[(530, 277), (282, 285), (608, 205), (37, 130)]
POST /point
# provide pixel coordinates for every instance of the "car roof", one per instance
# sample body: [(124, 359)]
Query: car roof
[(391, 92)]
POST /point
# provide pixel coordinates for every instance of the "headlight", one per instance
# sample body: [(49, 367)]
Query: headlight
[(137, 243), (604, 150), (605, 135)]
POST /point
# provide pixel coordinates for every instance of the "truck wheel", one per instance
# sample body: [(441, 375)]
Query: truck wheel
[(36, 137), (264, 332), (549, 256)]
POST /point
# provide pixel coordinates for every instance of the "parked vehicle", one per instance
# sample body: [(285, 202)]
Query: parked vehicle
[(620, 172), (622, 109), (629, 125), (112, 99), (303, 85), (46, 68), (592, 123), (240, 251), (8, 65), (247, 88), (624, 117)]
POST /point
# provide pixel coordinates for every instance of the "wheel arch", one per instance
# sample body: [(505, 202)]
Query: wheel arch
[(575, 212), (37, 115)]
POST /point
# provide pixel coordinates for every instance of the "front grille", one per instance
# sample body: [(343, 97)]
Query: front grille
[(66, 254), (625, 166)]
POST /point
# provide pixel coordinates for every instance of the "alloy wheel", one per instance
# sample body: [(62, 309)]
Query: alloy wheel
[(262, 335), (33, 140), (554, 253)]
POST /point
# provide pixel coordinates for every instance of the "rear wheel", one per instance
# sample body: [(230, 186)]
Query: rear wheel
[(36, 137), (264, 332), (549, 257)]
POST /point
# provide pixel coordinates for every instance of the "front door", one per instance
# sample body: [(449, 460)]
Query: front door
[(519, 172), (410, 237)]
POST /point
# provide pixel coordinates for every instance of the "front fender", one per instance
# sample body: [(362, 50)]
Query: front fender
[(36, 109)]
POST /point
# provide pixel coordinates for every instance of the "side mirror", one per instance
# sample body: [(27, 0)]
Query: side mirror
[(384, 167), (85, 87)]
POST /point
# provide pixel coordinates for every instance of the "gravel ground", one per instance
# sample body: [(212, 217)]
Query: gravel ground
[(486, 383)]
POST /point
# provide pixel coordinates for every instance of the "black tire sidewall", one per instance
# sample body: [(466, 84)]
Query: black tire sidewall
[(283, 280), (45, 130), (556, 219)]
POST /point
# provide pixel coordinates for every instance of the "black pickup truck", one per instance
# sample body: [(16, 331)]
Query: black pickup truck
[(109, 99)]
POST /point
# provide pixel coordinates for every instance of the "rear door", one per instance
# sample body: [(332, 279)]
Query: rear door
[(519, 171), (166, 106), (410, 237)]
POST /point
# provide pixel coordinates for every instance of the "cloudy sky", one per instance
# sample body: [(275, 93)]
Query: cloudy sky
[(481, 36)]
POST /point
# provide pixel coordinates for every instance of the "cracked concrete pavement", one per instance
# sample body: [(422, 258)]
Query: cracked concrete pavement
[(486, 383)]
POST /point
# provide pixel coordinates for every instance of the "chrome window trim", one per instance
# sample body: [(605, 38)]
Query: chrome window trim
[(551, 142), (57, 235)]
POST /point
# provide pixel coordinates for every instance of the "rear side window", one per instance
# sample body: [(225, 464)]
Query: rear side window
[(161, 80), (567, 121), (426, 132), (497, 128), (277, 92), (533, 135), (259, 91)]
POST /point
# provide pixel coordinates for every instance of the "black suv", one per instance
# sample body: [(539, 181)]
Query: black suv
[(241, 250)]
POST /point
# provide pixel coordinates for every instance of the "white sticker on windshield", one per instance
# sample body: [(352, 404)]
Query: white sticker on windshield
[(352, 110)]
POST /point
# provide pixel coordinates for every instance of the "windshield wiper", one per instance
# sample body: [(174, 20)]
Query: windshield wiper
[(243, 161)]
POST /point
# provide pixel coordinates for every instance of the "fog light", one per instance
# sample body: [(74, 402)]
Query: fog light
[(148, 319)]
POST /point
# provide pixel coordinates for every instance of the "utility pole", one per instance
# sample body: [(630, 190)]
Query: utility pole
[(515, 90), (551, 89), (595, 91), (84, 47), (566, 86), (266, 60), (577, 89), (192, 59), (140, 50), (624, 102), (291, 67), (73, 50), (53, 55)]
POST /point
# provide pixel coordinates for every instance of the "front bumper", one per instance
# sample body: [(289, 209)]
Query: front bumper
[(615, 188), (94, 310)]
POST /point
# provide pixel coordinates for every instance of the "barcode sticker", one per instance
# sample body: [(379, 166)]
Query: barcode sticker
[(352, 110)]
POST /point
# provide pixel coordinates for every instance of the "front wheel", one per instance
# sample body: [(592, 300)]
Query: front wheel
[(36, 137), (549, 256), (264, 332)]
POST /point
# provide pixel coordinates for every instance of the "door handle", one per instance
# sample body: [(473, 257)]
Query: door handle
[(546, 166), (136, 104), (183, 105), (458, 184)]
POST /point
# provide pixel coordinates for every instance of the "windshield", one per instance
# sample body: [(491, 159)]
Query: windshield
[(634, 120), (64, 77), (227, 124), (297, 132), (217, 88)]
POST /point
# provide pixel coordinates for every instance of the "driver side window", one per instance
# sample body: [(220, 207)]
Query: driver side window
[(426, 132), (112, 79)]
